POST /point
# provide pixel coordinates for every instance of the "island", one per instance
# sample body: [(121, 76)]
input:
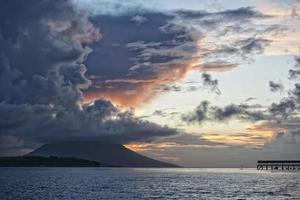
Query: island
[(51, 161)]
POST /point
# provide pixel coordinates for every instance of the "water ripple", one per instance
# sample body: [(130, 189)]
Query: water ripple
[(130, 183)]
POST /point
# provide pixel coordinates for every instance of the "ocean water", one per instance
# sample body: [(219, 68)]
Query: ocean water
[(137, 183)]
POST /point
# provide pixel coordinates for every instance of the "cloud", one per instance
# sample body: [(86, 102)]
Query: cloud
[(288, 106), (159, 113), (212, 84), (241, 13), (199, 115), (275, 128), (283, 110), (245, 139), (286, 136), (294, 73), (266, 139), (43, 77), (205, 112), (182, 140), (138, 19), (242, 111), (174, 88), (98, 121), (250, 99), (294, 12), (39, 47), (53, 61), (162, 49), (275, 87)]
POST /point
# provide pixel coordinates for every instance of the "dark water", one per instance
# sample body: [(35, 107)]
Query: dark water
[(127, 183)]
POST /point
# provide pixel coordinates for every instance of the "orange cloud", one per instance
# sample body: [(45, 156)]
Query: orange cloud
[(134, 93), (256, 135)]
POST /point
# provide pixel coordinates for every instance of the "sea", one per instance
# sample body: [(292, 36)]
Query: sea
[(146, 183)]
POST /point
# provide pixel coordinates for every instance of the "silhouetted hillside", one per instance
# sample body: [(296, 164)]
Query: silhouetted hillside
[(105, 153), (52, 161)]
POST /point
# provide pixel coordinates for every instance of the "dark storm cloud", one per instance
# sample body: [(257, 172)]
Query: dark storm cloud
[(211, 83), (101, 120), (42, 76), (151, 49), (128, 46), (275, 87), (58, 30), (39, 43)]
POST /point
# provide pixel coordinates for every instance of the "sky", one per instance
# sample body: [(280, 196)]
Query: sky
[(198, 83)]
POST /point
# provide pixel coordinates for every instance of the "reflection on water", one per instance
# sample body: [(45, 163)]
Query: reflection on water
[(138, 183)]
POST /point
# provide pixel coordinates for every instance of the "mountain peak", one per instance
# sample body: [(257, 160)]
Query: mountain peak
[(109, 154)]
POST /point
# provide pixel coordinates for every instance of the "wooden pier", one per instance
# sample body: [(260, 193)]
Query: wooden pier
[(289, 165)]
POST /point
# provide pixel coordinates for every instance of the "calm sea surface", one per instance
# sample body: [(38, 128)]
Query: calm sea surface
[(130, 183)]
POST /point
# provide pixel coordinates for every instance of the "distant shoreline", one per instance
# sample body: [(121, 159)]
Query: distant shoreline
[(51, 161), (55, 161)]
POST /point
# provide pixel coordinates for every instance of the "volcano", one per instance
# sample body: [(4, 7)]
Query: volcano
[(108, 154)]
